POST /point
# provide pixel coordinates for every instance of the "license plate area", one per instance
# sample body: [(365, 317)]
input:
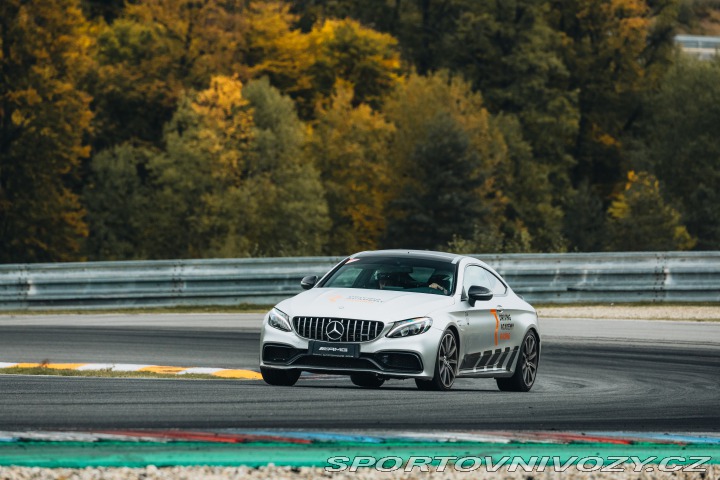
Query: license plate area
[(327, 349)]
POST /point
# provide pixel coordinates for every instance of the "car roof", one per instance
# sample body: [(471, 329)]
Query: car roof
[(423, 254)]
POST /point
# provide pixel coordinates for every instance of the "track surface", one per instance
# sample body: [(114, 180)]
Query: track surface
[(595, 375)]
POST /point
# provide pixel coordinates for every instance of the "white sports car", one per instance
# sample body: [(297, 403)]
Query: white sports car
[(430, 316)]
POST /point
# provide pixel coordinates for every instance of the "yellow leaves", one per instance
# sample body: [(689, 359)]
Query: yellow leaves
[(222, 99), (47, 119), (639, 218), (344, 49), (274, 48), (377, 47), (682, 238), (216, 125), (194, 39), (619, 208), (18, 118), (350, 145), (632, 178), (420, 99)]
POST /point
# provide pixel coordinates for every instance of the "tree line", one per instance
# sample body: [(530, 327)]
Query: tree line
[(152, 129)]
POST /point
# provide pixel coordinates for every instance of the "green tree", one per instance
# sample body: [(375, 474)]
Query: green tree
[(508, 50), (350, 147), (512, 55), (153, 53), (108, 10), (204, 208), (230, 180), (444, 197), (293, 215), (424, 28), (134, 89), (273, 47), (119, 202), (616, 51), (366, 60), (639, 219), (413, 107), (678, 141), (584, 224), (532, 212), (44, 117)]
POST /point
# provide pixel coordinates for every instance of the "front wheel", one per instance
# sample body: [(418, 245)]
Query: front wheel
[(526, 370), (445, 365), (283, 378), (367, 380)]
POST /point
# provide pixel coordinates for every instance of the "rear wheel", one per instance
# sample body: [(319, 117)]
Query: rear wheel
[(367, 380), (526, 370), (284, 378), (445, 365)]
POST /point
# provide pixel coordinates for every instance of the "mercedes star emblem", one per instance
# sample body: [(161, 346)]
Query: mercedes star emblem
[(334, 330)]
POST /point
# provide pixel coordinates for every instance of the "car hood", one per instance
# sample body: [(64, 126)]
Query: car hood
[(360, 304)]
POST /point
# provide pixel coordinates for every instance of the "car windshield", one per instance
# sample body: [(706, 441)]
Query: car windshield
[(405, 274)]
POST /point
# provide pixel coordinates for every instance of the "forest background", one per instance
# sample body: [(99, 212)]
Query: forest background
[(151, 129)]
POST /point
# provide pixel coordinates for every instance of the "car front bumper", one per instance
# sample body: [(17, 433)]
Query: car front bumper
[(408, 357)]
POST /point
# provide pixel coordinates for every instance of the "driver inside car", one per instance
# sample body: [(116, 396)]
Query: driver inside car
[(440, 281)]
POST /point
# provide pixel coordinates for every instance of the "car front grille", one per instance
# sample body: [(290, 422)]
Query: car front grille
[(344, 330)]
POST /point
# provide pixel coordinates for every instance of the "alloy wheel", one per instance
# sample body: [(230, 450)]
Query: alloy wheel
[(448, 358), (529, 364)]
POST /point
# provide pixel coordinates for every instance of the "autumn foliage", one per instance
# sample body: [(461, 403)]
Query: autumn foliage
[(230, 128)]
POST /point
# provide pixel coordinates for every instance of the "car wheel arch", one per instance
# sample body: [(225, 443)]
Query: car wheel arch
[(534, 330), (454, 329), (451, 327)]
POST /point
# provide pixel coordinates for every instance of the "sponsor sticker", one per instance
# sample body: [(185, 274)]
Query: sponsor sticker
[(356, 298)]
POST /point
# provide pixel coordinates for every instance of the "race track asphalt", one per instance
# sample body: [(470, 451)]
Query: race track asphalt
[(594, 375)]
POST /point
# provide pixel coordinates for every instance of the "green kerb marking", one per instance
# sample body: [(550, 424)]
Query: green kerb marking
[(139, 454)]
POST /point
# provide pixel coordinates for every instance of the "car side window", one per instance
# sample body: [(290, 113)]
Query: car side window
[(475, 276), (495, 285)]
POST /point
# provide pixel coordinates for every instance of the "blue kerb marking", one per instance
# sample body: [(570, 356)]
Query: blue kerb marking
[(320, 436)]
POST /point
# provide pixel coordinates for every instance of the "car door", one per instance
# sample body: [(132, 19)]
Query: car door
[(504, 308), (513, 315), (481, 335)]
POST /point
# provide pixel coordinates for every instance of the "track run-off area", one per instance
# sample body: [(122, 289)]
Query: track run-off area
[(600, 375)]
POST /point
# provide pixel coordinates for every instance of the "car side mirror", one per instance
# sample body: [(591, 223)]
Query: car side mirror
[(308, 282), (477, 293)]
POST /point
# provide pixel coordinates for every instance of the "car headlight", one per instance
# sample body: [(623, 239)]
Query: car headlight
[(279, 320), (406, 328)]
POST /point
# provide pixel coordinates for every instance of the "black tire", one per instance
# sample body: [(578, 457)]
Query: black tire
[(367, 380), (527, 365), (282, 378), (445, 366)]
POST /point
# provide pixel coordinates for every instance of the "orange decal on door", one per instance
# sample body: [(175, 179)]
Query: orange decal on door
[(497, 325)]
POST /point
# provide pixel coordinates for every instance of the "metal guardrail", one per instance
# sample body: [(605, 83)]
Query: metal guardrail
[(700, 46), (546, 278)]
